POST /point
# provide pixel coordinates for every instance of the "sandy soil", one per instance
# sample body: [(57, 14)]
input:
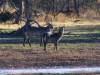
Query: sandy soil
[(11, 57)]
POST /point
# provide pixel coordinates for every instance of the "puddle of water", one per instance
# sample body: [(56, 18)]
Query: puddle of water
[(51, 70)]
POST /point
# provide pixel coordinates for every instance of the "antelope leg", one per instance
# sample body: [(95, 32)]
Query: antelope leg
[(29, 42)]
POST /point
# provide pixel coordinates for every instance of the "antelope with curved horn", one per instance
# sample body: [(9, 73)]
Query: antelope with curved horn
[(29, 31)]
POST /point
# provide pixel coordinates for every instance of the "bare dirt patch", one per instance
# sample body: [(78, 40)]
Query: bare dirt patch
[(12, 57)]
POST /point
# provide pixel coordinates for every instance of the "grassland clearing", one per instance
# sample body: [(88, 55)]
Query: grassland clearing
[(79, 48)]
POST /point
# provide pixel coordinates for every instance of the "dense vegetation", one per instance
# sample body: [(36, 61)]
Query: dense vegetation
[(78, 7)]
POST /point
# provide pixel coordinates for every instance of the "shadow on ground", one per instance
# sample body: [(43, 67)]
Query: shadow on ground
[(17, 37)]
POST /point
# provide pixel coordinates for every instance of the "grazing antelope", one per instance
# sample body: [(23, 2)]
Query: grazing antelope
[(53, 38), (29, 31)]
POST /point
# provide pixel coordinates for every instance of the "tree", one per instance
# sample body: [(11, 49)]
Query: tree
[(76, 7)]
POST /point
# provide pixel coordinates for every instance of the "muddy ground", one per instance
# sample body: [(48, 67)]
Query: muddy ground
[(12, 56)]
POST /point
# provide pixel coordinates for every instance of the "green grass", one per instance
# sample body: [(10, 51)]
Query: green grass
[(87, 32), (6, 30), (20, 47), (77, 34), (78, 45)]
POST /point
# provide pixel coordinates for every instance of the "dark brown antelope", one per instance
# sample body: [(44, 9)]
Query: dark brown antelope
[(30, 31), (53, 38)]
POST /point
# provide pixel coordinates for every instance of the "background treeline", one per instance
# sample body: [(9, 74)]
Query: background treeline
[(78, 7), (83, 8)]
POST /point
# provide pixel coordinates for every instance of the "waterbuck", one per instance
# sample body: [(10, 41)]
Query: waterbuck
[(30, 31), (53, 38)]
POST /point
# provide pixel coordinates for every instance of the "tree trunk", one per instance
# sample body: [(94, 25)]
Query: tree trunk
[(28, 9), (76, 7)]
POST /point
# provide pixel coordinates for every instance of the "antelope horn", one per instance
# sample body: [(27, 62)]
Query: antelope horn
[(37, 23)]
